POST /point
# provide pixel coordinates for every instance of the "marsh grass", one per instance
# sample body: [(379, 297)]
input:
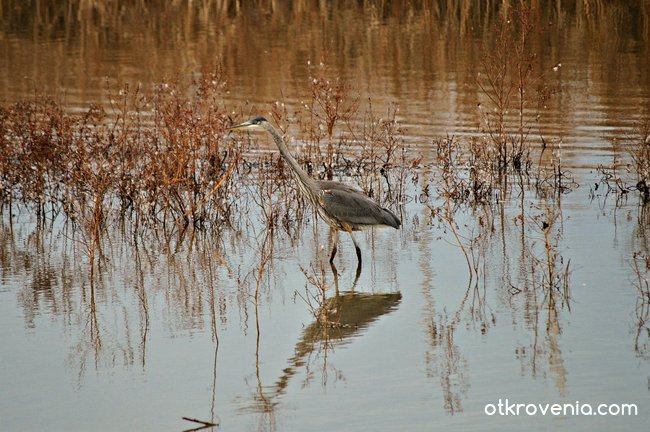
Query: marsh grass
[(640, 152), (153, 156), (161, 158), (331, 104), (159, 161), (514, 92), (503, 211)]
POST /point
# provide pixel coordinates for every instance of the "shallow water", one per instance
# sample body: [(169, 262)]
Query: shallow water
[(170, 327)]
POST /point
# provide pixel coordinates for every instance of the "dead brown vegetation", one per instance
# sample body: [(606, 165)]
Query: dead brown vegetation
[(161, 159)]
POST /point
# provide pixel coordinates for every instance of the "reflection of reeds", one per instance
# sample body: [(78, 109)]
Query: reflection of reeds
[(641, 266), (543, 286)]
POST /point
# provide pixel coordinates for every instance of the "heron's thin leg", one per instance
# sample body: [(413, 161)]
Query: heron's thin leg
[(334, 241), (336, 277), (358, 250), (356, 275), (356, 247)]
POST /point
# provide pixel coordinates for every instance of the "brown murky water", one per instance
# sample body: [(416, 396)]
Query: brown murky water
[(205, 325)]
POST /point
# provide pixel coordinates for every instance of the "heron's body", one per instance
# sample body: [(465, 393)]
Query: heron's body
[(340, 206), (348, 209)]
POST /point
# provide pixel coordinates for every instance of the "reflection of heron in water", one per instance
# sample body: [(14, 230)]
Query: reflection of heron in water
[(339, 319), (340, 206)]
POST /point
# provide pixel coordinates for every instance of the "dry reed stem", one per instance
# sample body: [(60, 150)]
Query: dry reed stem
[(219, 183)]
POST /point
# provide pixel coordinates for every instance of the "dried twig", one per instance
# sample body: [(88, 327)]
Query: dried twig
[(206, 424)]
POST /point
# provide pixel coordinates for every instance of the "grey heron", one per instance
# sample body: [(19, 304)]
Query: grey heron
[(342, 207)]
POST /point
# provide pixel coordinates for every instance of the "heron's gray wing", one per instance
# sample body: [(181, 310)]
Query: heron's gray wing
[(353, 208)]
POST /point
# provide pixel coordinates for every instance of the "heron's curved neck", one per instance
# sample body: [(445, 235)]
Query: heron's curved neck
[(301, 174)]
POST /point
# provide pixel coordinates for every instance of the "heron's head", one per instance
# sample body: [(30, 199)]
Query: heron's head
[(254, 123)]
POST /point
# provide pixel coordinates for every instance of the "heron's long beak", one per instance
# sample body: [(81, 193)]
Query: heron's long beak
[(242, 126)]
